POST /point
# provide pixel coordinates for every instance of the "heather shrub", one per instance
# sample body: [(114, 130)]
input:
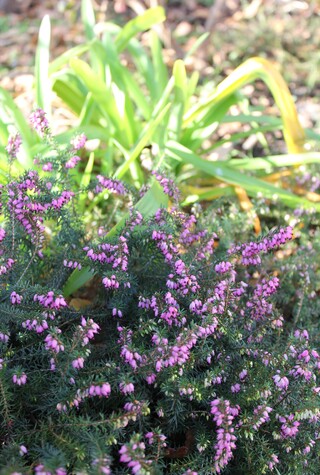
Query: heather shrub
[(174, 358)]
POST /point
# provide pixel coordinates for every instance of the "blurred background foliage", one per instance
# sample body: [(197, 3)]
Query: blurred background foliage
[(212, 38)]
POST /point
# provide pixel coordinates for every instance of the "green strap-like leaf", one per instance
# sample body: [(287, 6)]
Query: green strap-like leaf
[(142, 142), (140, 23), (88, 18), (223, 172), (42, 81), (105, 99)]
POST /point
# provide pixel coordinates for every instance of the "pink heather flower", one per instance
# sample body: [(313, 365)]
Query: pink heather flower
[(39, 122), (78, 363), (116, 313), (90, 328), (168, 186), (274, 460), (1, 363), (250, 251), (111, 283), (151, 378), (304, 355), (97, 390), (23, 450), (19, 379), (61, 471), (47, 167), (281, 382), (126, 388), (2, 234), (72, 162), (236, 388), (14, 144), (52, 342), (289, 426), (110, 184), (102, 465), (131, 454), (243, 375), (72, 264), (149, 436), (35, 325), (50, 301), (41, 470), (65, 197), (223, 267), (261, 416), (223, 415), (190, 472), (301, 335), (15, 298), (4, 337), (78, 142)]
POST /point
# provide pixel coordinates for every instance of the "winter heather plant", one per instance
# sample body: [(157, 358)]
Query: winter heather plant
[(122, 93), (173, 359)]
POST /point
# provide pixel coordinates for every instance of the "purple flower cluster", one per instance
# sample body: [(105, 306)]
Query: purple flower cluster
[(188, 235), (156, 438), (168, 186), (50, 301), (114, 254), (171, 314), (261, 416), (110, 184), (290, 426), (176, 354), (13, 147), (250, 252), (72, 162), (78, 142), (19, 379), (53, 342), (223, 267), (133, 454), (102, 390), (25, 209), (126, 387), (41, 470), (273, 462), (132, 357), (102, 465), (27, 206), (136, 219), (37, 325), (72, 264), (87, 330), (62, 200), (259, 306), (15, 298), (40, 122), (4, 337), (223, 416), (6, 265)]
